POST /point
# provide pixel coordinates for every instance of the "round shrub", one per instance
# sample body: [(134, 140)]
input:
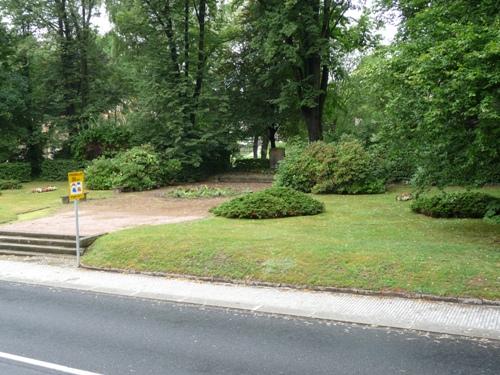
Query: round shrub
[(137, 169), (342, 168), (459, 205), (270, 203), (301, 168), (100, 173)]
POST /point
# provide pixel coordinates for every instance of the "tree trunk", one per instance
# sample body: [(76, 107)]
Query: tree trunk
[(272, 135), (202, 13), (255, 147), (265, 145), (313, 119)]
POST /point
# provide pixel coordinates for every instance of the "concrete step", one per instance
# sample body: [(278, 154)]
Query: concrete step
[(6, 246), (35, 254), (37, 235), (24, 243), (38, 241)]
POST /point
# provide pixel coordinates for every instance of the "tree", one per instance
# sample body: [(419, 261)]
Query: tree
[(306, 41), (445, 87)]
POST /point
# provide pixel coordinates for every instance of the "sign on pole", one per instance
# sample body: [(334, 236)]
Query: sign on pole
[(75, 180), (76, 192)]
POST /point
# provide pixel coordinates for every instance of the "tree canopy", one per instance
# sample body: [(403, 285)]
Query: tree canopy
[(191, 79)]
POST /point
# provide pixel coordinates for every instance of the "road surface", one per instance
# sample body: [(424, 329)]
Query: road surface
[(105, 334)]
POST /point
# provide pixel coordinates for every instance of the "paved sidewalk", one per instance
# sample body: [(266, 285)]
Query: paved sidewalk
[(443, 317)]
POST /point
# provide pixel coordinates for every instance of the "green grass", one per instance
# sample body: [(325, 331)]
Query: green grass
[(368, 241), (22, 204)]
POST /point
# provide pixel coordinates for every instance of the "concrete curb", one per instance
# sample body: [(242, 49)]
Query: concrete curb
[(480, 321), (363, 292)]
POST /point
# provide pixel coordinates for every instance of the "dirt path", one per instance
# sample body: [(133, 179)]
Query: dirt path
[(127, 210)]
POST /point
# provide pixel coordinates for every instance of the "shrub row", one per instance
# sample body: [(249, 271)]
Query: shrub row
[(343, 168), (270, 203), (458, 205), (10, 184), (58, 169), (20, 171)]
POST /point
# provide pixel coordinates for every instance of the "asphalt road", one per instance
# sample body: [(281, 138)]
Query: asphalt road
[(116, 335)]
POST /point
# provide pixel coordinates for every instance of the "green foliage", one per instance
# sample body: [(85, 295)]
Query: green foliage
[(432, 96), (102, 138), (459, 205), (15, 171), (343, 168), (270, 203), (170, 170), (100, 173), (492, 214), (251, 165), (137, 169), (202, 191), (10, 184), (58, 169), (299, 170)]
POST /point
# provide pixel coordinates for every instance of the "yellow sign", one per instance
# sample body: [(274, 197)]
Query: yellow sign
[(75, 180)]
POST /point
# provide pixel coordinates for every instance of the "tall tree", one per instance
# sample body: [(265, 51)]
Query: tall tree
[(308, 38), (445, 88)]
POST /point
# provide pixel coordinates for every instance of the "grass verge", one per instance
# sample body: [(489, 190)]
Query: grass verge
[(367, 241), (22, 204)]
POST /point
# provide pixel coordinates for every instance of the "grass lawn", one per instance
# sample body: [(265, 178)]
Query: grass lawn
[(22, 204), (369, 241)]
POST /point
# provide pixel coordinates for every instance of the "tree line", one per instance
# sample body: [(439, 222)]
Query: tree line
[(192, 77)]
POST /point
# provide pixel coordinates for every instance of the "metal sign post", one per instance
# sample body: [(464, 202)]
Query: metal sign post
[(77, 234), (76, 193)]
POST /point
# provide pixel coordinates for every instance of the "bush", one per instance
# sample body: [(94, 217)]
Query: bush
[(251, 165), (58, 169), (102, 138), (492, 214), (100, 173), (300, 169), (15, 171), (344, 168), (270, 203), (459, 205), (137, 169), (10, 184), (170, 170)]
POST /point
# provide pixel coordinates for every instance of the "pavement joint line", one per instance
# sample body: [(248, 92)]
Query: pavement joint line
[(43, 364), (397, 312)]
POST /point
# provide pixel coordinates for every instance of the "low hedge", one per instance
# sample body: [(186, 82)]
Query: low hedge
[(458, 205), (20, 171), (251, 165), (270, 203), (10, 184), (58, 169)]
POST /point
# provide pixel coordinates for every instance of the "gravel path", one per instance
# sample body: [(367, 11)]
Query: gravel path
[(127, 210)]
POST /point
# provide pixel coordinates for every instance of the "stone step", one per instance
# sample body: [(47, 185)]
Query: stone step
[(37, 235), (38, 241), (6, 246), (35, 254)]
